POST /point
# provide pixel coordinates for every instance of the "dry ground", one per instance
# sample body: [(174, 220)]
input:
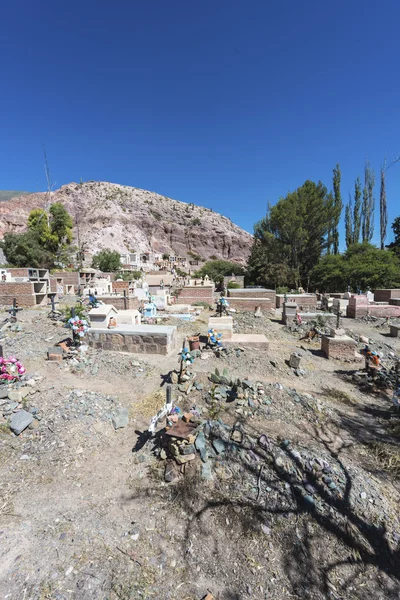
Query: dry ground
[(85, 512)]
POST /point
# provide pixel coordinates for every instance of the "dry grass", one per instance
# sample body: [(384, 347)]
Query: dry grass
[(340, 396), (151, 404), (387, 457), (394, 429), (6, 504)]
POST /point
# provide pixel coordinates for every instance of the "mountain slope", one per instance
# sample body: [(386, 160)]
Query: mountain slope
[(8, 194), (129, 219)]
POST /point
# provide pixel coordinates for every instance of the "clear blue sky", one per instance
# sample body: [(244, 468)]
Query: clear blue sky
[(225, 103)]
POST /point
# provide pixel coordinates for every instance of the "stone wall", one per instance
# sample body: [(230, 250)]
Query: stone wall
[(24, 292), (196, 293), (386, 295), (250, 304), (132, 303), (141, 339)]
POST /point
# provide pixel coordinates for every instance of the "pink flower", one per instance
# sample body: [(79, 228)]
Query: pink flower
[(21, 370), (12, 359)]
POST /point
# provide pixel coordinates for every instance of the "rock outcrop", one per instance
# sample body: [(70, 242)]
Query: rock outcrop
[(126, 219)]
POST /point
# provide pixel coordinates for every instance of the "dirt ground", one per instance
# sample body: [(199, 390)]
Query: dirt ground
[(85, 512)]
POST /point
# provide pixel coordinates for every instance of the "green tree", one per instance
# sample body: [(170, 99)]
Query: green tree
[(357, 211), (26, 250), (218, 269), (361, 266), (395, 245), (108, 261), (292, 237), (368, 205), (61, 224), (47, 241), (337, 209)]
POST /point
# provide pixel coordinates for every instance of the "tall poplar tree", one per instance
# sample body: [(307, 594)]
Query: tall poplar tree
[(368, 205), (348, 222), (383, 206), (357, 211), (337, 209)]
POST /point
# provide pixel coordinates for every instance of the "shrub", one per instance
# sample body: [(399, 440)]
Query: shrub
[(232, 285)]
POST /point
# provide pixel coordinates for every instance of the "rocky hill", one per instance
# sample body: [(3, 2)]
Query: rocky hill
[(129, 219)]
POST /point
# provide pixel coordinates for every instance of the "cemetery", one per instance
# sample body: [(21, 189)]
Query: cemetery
[(186, 384)]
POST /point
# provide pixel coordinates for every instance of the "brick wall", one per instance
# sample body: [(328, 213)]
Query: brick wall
[(24, 292), (120, 286), (386, 295), (196, 293), (143, 343), (68, 277), (18, 272), (250, 304), (307, 301), (359, 307), (339, 348), (132, 303), (253, 293)]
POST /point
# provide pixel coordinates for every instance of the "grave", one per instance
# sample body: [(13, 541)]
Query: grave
[(100, 316), (341, 347), (150, 310), (223, 325), (249, 340), (360, 306), (129, 317), (304, 301), (141, 339)]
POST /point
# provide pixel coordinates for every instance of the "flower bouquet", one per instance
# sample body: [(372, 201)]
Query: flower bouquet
[(79, 326), (11, 369)]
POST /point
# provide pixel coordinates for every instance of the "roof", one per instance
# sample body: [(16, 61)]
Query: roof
[(102, 311)]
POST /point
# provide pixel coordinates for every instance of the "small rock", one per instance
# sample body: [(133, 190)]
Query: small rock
[(218, 445), (363, 495), (121, 418), (309, 500), (200, 442), (206, 470), (236, 436), (20, 421), (171, 472), (15, 395), (187, 449), (181, 460)]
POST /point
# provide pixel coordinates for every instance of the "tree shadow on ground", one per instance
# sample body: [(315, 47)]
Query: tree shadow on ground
[(313, 520)]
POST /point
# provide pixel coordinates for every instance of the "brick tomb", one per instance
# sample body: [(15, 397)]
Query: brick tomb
[(338, 345)]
